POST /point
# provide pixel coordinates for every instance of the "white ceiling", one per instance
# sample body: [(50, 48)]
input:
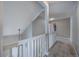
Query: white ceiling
[(61, 9), (18, 15)]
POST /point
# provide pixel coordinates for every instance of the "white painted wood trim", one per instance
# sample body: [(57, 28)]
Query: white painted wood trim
[(37, 14), (71, 29)]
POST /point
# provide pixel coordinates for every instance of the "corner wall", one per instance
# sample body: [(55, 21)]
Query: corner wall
[(77, 47), (1, 29), (38, 25)]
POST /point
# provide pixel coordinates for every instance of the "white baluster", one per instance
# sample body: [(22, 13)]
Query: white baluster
[(28, 48), (39, 46), (32, 47), (35, 47)]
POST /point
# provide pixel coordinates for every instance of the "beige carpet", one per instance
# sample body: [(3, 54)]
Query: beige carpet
[(60, 49)]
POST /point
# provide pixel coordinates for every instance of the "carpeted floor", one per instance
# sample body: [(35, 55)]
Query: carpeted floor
[(60, 49)]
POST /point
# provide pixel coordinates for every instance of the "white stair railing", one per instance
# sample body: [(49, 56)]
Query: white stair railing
[(32, 47)]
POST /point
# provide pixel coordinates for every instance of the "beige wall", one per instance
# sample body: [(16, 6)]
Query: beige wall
[(19, 14), (27, 32), (77, 41), (1, 28), (38, 26), (63, 27), (10, 39)]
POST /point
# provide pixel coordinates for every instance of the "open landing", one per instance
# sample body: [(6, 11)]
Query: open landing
[(61, 49)]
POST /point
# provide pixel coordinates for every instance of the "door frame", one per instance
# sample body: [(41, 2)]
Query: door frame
[(70, 18)]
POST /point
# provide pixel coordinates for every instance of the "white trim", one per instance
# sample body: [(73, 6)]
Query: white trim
[(10, 44), (37, 14), (71, 29), (42, 3), (71, 33)]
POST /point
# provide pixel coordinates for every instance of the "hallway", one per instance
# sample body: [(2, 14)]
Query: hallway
[(32, 29)]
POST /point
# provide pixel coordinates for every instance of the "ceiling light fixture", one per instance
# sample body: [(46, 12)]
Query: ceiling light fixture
[(51, 19)]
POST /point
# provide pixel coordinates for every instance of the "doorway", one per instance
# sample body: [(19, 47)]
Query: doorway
[(59, 30)]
